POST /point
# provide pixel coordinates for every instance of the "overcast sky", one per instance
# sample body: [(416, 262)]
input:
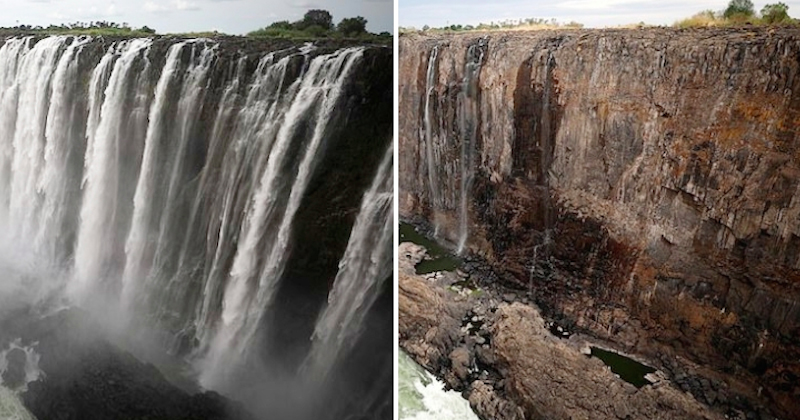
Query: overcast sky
[(592, 13), (230, 16)]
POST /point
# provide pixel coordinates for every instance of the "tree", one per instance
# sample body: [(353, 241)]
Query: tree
[(775, 13), (352, 26), (739, 9), (281, 24), (317, 17), (315, 31)]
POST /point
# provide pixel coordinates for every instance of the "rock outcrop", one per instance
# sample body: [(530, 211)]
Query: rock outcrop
[(84, 376), (639, 185), (510, 366)]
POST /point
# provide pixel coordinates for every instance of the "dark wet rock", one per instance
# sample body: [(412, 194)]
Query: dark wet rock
[(86, 377), (14, 375)]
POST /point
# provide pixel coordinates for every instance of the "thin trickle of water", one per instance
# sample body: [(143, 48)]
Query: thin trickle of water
[(469, 114), (430, 140), (366, 264)]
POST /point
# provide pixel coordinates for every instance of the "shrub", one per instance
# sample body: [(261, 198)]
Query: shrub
[(352, 26), (775, 13), (704, 18)]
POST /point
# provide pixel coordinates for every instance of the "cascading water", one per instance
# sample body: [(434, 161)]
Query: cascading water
[(423, 396), (430, 139), (469, 114), (438, 141), (162, 180), (11, 408), (109, 178), (367, 263), (253, 279)]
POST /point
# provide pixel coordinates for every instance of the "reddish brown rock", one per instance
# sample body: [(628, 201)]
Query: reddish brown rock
[(522, 371), (639, 184)]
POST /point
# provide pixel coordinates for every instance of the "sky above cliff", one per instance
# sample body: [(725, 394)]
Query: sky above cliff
[(592, 13), (229, 16)]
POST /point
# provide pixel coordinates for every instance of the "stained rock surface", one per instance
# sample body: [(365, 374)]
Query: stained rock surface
[(638, 185)]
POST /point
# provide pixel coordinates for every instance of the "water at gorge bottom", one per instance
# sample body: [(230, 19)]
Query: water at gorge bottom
[(422, 396), (11, 407), (440, 258)]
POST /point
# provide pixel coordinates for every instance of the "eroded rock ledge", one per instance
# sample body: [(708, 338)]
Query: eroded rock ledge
[(509, 366)]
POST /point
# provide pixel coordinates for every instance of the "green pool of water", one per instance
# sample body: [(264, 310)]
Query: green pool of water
[(441, 258), (628, 369)]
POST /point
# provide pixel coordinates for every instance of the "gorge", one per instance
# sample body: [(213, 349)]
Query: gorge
[(636, 186), (220, 209)]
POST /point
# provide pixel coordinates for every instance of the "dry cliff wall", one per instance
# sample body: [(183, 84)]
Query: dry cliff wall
[(641, 184)]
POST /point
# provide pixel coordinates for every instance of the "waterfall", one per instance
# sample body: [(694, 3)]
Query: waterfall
[(366, 264), (469, 115), (153, 241), (253, 279), (158, 182), (430, 140), (107, 185), (61, 173)]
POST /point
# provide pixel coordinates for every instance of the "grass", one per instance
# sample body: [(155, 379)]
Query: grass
[(115, 32), (709, 18), (529, 24), (315, 34), (202, 34), (383, 38), (706, 18)]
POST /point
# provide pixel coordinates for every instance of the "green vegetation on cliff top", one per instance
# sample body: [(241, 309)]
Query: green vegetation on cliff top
[(740, 12), (737, 13), (528, 24), (316, 24), (101, 28)]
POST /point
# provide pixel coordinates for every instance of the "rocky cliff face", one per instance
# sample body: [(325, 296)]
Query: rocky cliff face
[(638, 184)]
